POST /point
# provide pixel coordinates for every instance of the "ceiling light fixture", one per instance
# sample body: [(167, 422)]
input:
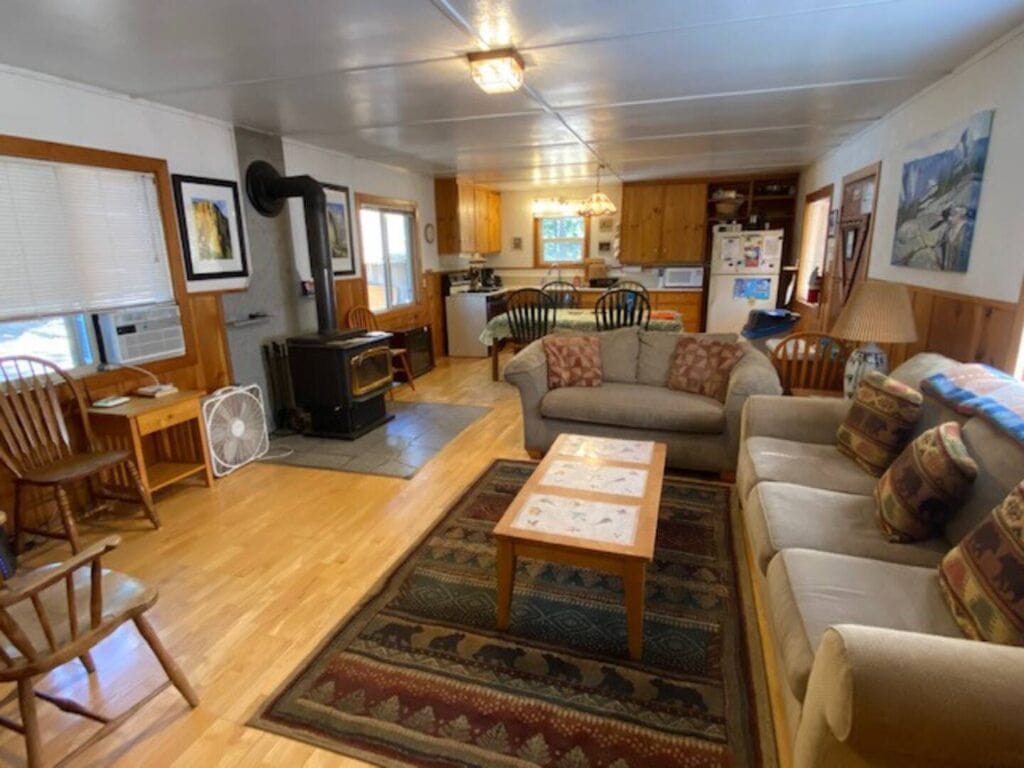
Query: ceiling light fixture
[(499, 71), (598, 204)]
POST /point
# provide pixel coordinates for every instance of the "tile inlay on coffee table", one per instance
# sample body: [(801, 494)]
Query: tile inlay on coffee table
[(593, 503)]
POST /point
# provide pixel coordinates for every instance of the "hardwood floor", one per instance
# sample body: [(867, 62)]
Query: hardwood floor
[(252, 575)]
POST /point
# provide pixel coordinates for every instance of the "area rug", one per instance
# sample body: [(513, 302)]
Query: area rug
[(418, 676), (419, 431)]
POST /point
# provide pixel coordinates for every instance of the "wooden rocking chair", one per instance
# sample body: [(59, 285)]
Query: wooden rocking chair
[(57, 613), (39, 449)]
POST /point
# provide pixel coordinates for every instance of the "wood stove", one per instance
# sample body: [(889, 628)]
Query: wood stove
[(340, 380), (339, 377)]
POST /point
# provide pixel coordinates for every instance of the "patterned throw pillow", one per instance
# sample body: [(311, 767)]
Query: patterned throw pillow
[(879, 422), (573, 361), (926, 483), (702, 366), (982, 577)]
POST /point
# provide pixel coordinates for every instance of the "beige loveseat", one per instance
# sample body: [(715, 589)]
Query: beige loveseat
[(870, 667), (635, 402)]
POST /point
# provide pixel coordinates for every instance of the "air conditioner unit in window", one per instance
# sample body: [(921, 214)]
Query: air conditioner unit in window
[(138, 335)]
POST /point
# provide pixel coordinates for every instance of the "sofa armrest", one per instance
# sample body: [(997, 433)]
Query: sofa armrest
[(528, 372), (804, 419), (754, 374), (885, 697)]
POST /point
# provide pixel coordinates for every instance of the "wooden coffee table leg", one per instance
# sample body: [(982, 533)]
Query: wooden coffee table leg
[(495, 351), (634, 574), (506, 580)]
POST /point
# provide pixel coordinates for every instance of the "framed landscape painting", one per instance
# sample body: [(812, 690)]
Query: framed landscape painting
[(210, 220), (939, 194), (339, 229)]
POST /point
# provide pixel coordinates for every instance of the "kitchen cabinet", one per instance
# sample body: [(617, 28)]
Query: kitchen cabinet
[(686, 303), (468, 218), (663, 223)]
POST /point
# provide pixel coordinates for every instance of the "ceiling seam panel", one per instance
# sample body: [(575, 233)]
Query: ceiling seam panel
[(445, 8)]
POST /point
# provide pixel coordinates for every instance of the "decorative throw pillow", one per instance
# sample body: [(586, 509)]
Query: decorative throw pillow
[(879, 422), (982, 577), (702, 366), (926, 483), (573, 361)]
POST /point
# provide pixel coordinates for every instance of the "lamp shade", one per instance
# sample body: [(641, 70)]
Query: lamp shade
[(879, 312)]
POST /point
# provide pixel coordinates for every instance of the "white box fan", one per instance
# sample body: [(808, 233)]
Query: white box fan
[(236, 426)]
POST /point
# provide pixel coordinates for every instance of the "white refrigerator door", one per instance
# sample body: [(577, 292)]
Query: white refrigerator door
[(731, 297)]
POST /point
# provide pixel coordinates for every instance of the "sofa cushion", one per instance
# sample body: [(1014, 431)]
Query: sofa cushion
[(810, 464), (657, 349), (636, 405), (1000, 460), (925, 485), (573, 360), (619, 352), (781, 516), (879, 422), (983, 576), (702, 366), (810, 591)]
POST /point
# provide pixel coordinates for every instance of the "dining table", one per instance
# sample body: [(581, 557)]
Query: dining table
[(498, 330)]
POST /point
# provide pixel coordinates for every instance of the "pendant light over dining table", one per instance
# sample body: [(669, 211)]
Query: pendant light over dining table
[(598, 204)]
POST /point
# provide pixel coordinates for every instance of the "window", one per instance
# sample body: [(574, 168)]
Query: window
[(65, 341), (387, 235), (74, 240), (560, 240)]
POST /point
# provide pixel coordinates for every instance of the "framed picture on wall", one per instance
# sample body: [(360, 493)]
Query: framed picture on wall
[(339, 229), (210, 219)]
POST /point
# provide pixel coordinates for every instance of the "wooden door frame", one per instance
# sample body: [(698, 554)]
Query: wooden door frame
[(811, 313)]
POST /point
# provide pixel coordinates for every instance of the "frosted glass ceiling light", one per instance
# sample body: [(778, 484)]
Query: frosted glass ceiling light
[(498, 71)]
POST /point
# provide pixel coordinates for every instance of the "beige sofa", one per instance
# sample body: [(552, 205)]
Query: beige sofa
[(634, 402), (868, 665)]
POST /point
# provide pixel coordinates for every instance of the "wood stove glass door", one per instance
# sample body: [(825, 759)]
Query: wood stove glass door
[(371, 370)]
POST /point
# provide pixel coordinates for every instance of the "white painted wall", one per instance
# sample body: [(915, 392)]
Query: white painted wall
[(359, 176), (992, 80), (37, 106)]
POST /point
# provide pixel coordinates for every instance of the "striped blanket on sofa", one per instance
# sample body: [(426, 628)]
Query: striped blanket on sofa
[(974, 389)]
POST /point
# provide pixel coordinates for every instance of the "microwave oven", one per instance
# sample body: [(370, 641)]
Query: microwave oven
[(682, 277)]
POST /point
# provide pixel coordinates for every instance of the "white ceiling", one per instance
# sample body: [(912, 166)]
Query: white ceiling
[(649, 87)]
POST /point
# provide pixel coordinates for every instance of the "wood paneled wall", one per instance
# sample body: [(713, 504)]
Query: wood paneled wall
[(428, 310), (965, 328)]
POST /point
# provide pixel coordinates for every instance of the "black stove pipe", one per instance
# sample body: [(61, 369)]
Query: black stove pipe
[(267, 191)]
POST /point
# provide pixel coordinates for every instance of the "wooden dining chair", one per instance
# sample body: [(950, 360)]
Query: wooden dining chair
[(363, 317), (531, 315), (632, 285), (622, 307), (564, 294), (59, 612), (810, 360), (42, 448)]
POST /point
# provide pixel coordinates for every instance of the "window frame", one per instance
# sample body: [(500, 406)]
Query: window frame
[(538, 244), (802, 262), (397, 205), (32, 149)]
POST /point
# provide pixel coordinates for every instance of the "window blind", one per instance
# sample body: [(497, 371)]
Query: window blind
[(76, 238)]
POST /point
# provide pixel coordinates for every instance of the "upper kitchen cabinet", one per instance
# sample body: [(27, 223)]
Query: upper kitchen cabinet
[(468, 218), (663, 223)]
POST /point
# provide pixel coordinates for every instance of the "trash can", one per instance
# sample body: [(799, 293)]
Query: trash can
[(765, 324)]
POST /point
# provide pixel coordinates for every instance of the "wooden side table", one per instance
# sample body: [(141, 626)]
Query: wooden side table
[(166, 436)]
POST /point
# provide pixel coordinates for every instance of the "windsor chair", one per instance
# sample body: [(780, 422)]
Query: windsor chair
[(812, 361), (622, 307), (41, 448)]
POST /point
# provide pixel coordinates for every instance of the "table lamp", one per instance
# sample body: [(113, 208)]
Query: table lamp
[(876, 312)]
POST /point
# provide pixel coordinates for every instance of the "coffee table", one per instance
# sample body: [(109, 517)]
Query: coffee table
[(593, 503)]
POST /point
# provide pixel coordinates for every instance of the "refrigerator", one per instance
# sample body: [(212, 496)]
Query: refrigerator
[(744, 275)]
